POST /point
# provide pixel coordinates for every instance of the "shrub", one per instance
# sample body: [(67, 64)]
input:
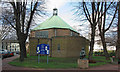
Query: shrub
[(98, 53), (112, 54)]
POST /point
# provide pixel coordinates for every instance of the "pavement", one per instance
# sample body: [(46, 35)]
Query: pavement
[(6, 66), (108, 67)]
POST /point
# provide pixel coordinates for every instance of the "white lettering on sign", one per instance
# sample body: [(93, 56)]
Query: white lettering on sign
[(38, 51), (47, 51), (37, 48), (46, 48)]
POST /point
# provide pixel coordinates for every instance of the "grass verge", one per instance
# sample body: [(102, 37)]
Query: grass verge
[(32, 61)]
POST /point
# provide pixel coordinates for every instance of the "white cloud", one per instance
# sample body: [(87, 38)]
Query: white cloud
[(54, 4)]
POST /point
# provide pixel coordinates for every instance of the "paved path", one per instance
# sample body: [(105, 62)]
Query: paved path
[(6, 66), (106, 67)]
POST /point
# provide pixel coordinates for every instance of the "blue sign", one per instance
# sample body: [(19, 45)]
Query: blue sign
[(43, 49)]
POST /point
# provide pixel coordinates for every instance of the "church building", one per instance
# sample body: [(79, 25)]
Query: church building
[(64, 41)]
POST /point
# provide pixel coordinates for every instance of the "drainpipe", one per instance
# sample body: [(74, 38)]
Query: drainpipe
[(38, 40), (50, 44), (55, 32)]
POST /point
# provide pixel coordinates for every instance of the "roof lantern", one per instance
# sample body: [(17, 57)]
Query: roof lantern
[(55, 11)]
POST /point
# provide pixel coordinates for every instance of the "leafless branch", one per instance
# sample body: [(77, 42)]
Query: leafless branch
[(31, 16), (9, 22), (112, 20), (87, 16)]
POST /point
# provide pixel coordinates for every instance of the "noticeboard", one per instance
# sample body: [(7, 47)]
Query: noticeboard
[(43, 49)]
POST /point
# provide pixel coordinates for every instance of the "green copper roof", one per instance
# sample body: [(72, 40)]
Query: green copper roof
[(54, 22)]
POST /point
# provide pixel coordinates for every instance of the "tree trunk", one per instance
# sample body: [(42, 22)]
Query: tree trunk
[(22, 40), (118, 49), (104, 46), (118, 34), (25, 53), (21, 51), (92, 42)]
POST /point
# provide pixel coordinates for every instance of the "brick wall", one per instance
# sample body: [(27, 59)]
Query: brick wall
[(32, 34), (70, 46), (51, 32), (63, 47), (63, 32), (33, 44)]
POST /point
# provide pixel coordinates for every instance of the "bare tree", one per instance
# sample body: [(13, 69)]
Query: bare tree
[(93, 15), (6, 30), (22, 15), (101, 26)]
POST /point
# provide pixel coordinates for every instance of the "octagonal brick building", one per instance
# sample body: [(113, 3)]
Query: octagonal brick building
[(59, 35)]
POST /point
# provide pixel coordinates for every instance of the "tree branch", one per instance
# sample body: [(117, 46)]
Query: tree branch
[(87, 12), (13, 4), (104, 20), (112, 20), (97, 12), (105, 11), (84, 9), (9, 22), (31, 16), (23, 15), (101, 10), (93, 13)]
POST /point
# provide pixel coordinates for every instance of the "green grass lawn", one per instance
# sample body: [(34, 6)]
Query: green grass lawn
[(32, 61)]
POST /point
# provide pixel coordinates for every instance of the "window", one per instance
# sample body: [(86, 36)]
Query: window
[(58, 46), (41, 34), (73, 34)]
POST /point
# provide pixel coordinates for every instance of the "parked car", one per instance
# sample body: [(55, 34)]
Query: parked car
[(1, 54), (4, 53), (10, 54), (17, 52)]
